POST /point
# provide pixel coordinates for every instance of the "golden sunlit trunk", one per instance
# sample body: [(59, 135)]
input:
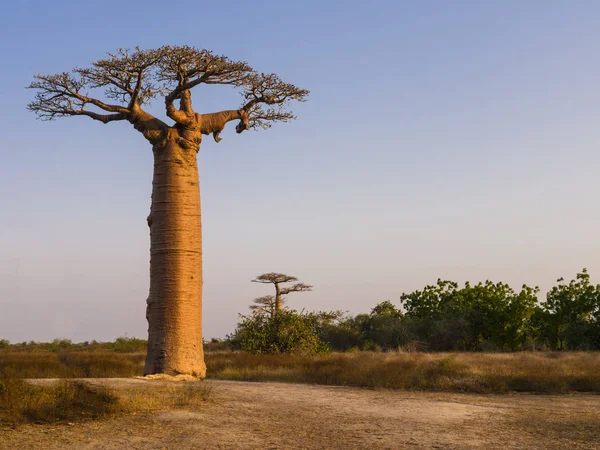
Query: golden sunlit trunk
[(174, 309), (278, 298)]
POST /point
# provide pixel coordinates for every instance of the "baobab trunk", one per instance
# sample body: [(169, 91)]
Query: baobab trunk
[(174, 309), (278, 298)]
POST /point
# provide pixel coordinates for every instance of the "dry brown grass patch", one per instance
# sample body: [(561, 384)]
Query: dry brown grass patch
[(451, 372), (64, 401), (72, 364)]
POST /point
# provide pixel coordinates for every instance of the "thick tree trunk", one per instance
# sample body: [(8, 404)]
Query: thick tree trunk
[(174, 309), (278, 299)]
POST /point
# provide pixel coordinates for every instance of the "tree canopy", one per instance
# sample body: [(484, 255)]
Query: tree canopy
[(119, 86), (278, 278), (270, 304)]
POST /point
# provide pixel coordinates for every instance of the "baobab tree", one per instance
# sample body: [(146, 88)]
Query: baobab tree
[(264, 305), (268, 302), (117, 88)]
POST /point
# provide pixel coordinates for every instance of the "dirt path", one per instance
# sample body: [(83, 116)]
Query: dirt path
[(296, 416)]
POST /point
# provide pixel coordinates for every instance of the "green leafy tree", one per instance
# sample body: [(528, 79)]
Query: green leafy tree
[(284, 332), (572, 313), (519, 327), (433, 302), (344, 333), (386, 309), (496, 314), (434, 315), (384, 327), (453, 318)]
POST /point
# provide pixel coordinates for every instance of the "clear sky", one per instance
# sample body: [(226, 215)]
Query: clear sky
[(441, 139)]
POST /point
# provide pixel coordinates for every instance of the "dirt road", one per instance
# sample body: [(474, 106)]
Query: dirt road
[(295, 416)]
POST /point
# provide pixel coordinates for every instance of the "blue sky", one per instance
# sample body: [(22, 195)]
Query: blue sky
[(454, 140)]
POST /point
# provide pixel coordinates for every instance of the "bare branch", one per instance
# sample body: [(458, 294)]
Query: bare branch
[(188, 67), (135, 95), (60, 95), (130, 79), (269, 90), (264, 305), (153, 129), (105, 118), (298, 287), (185, 115), (61, 109)]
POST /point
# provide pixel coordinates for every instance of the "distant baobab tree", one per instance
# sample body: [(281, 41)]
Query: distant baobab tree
[(264, 305), (116, 89), (271, 304)]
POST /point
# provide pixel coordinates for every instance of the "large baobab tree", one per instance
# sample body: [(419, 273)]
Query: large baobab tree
[(117, 88), (271, 304)]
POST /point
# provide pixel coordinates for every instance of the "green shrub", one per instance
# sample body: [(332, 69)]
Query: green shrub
[(284, 332)]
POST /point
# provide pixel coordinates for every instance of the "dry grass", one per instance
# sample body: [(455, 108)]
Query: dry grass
[(70, 400), (164, 397), (580, 428), (75, 364), (460, 372), (543, 372)]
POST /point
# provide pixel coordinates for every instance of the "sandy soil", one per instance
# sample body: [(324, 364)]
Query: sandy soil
[(295, 416)]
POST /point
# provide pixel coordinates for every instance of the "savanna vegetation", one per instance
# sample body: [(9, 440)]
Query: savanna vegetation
[(476, 338), (543, 372), (481, 372), (66, 401), (442, 317)]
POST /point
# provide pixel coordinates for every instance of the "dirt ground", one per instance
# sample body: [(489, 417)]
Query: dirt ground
[(296, 416)]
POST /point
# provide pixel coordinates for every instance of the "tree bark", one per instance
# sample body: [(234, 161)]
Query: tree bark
[(174, 305), (278, 298)]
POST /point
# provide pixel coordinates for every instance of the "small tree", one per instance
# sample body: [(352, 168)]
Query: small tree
[(263, 303), (284, 332)]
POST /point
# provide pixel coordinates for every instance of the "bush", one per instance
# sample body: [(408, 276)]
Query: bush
[(128, 345), (217, 345), (283, 332), (119, 345)]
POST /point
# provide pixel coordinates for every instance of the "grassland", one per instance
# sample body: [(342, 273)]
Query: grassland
[(461, 372), (411, 394), (68, 401), (245, 415), (544, 372)]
